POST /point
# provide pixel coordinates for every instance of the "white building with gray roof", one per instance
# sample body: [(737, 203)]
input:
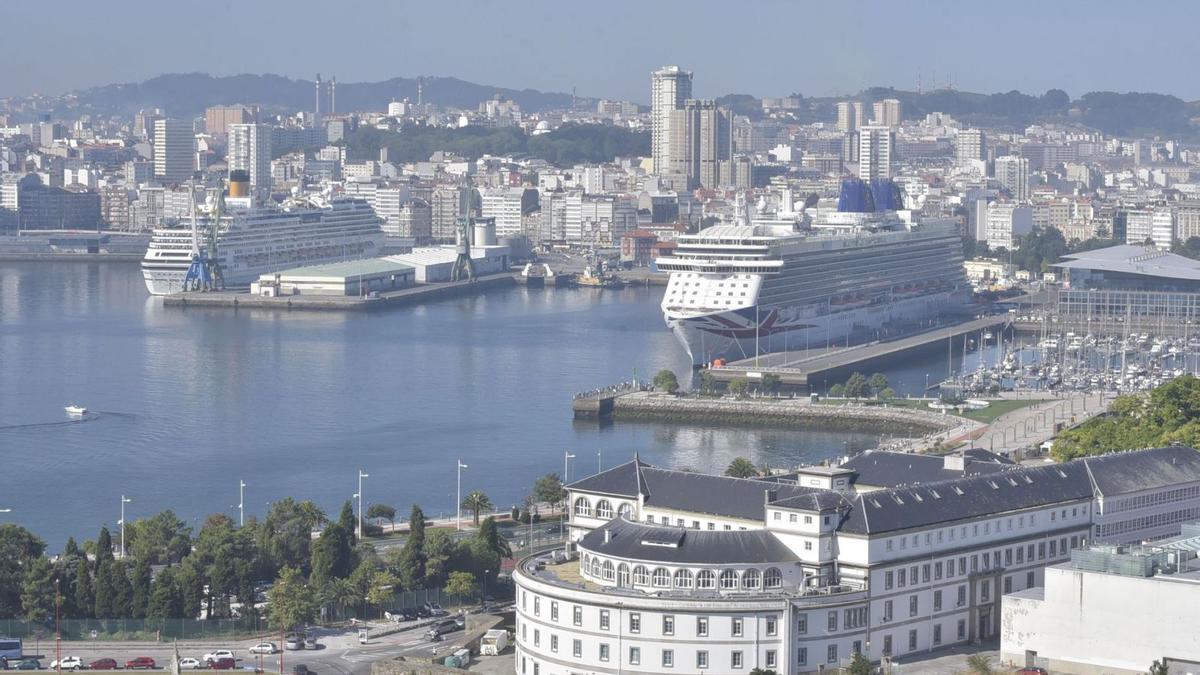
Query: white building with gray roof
[(678, 571)]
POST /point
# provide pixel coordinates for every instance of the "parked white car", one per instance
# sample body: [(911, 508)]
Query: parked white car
[(264, 648), (218, 654), (188, 663), (68, 663)]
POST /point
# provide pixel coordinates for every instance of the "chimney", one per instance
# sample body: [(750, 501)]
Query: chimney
[(607, 536), (318, 109)]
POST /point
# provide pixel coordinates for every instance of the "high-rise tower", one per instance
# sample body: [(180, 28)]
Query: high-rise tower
[(670, 86)]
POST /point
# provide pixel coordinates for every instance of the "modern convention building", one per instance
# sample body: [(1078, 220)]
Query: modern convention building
[(890, 555), (1141, 286)]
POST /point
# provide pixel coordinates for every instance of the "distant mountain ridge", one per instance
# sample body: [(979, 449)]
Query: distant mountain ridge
[(188, 94)]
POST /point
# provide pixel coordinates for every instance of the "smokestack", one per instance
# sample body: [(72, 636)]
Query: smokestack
[(333, 95), (318, 113)]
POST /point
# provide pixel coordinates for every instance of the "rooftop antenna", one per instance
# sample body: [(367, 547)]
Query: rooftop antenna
[(420, 83), (318, 113), (573, 100), (333, 95)]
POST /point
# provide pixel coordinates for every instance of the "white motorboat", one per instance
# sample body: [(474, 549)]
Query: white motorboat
[(76, 410)]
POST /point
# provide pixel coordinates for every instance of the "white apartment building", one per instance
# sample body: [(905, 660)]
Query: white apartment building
[(887, 113), (670, 86), (888, 555), (1110, 610), (1013, 175), (970, 146), (174, 145), (250, 151), (1156, 225), (508, 206), (1007, 222), (876, 147), (850, 115)]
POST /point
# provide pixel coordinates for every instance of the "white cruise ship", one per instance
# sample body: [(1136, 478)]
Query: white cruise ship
[(264, 240), (732, 286)]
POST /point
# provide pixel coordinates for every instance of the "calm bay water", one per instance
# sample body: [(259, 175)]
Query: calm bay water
[(190, 401)]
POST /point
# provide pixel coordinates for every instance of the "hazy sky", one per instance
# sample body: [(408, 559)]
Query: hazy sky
[(607, 49)]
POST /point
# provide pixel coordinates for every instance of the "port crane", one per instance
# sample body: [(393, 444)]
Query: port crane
[(204, 273)]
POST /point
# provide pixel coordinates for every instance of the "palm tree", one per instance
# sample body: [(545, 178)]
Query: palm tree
[(477, 502), (741, 467)]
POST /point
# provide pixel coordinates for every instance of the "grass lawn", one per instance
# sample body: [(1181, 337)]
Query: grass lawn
[(996, 409)]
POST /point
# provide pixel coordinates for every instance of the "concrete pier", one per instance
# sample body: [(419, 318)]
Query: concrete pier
[(803, 370)]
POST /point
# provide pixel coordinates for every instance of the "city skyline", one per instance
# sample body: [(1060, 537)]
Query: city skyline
[(892, 46)]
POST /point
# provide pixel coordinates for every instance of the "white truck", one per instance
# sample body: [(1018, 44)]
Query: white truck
[(493, 642)]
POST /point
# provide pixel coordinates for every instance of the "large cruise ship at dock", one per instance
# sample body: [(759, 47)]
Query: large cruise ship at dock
[(737, 290), (262, 240)]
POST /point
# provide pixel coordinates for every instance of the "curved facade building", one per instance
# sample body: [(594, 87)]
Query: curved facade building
[(672, 571)]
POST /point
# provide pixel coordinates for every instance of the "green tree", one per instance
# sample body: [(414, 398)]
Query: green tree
[(878, 383), (85, 594), (708, 383), (18, 548), (859, 665), (665, 380), (333, 554), (489, 534), (739, 386), (410, 566), (439, 549), (741, 467), (549, 489), (382, 588), (980, 664), (1160, 667), (349, 522), (383, 512), (37, 590), (285, 536), (838, 390), (477, 502), (122, 590), (857, 386), (887, 393), (104, 592), (461, 585), (142, 588), (161, 539), (292, 602), (166, 597), (771, 382), (104, 546)]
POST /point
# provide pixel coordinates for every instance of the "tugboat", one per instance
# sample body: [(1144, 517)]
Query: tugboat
[(597, 278)]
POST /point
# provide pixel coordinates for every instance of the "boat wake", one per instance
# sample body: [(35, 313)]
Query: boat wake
[(89, 416)]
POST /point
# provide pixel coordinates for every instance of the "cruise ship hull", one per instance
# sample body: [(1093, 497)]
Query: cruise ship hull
[(747, 331)]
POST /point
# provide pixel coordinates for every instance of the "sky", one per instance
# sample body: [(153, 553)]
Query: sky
[(607, 49)]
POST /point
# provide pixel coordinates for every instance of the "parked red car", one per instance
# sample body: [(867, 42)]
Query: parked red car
[(224, 663), (103, 664), (141, 663)]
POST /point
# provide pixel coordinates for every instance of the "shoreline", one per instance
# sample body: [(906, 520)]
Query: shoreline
[(126, 258)]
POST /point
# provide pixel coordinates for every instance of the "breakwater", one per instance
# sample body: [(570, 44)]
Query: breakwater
[(794, 413)]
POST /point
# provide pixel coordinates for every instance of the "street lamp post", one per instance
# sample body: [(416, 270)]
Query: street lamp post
[(124, 500), (567, 457), (361, 476), (241, 503), (599, 461), (458, 497)]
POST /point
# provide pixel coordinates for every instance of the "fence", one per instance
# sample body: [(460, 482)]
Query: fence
[(130, 629)]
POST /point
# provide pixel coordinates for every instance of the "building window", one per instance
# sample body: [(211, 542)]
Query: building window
[(662, 578), (900, 577), (887, 581), (912, 640), (735, 660), (808, 546), (770, 658), (582, 507), (604, 619), (985, 590), (937, 571), (937, 601), (791, 517), (772, 626), (553, 610), (802, 656), (832, 621), (802, 623), (775, 515), (641, 576), (623, 575), (603, 652), (736, 628), (668, 624), (925, 573), (635, 622), (608, 571), (683, 579), (937, 633), (604, 509), (635, 656), (537, 606), (705, 579), (668, 658), (537, 638), (772, 578), (751, 579), (701, 659), (729, 580), (701, 626), (831, 655), (554, 643), (887, 645), (962, 595), (912, 605), (1030, 579), (962, 629), (577, 648), (577, 617), (1008, 584), (887, 610)]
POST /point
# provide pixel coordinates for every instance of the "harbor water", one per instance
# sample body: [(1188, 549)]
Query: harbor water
[(187, 402)]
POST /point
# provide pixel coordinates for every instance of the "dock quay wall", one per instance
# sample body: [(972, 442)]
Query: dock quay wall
[(778, 412), (417, 294)]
